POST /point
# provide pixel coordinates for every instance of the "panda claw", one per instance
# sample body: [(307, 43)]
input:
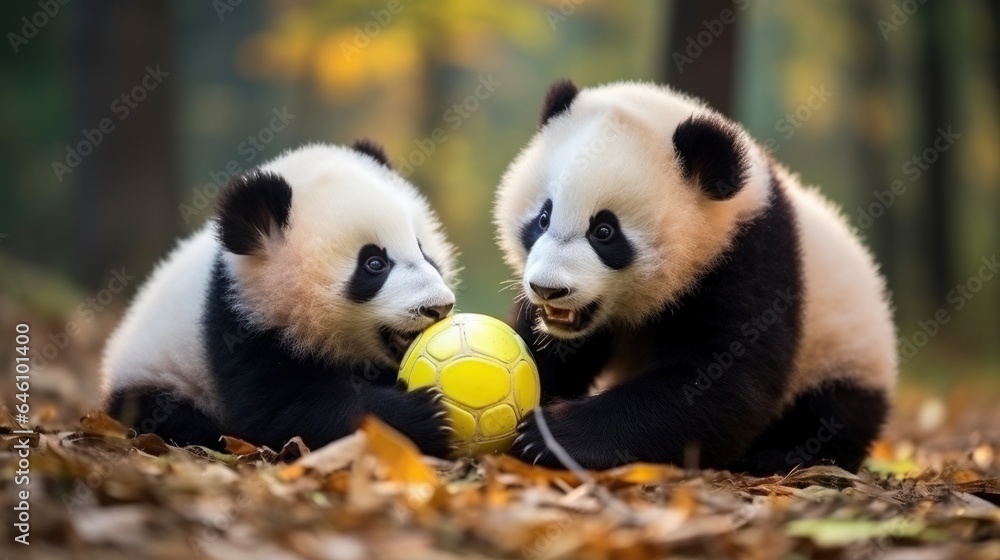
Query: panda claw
[(441, 414), (527, 447), (539, 456), (518, 439)]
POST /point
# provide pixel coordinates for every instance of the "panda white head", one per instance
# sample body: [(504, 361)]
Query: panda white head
[(332, 247), (627, 193)]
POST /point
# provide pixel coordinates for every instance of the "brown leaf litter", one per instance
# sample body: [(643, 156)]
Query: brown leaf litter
[(101, 491)]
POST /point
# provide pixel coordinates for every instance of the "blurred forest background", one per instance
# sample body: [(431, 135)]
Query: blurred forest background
[(850, 94)]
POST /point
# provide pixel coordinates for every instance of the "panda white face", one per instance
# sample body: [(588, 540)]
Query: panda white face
[(583, 244), (397, 289), (606, 216), (577, 272), (357, 267)]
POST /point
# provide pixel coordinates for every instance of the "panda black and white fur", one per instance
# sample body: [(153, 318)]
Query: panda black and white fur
[(288, 312), (686, 299)]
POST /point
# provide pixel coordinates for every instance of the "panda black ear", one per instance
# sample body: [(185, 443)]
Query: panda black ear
[(371, 148), (252, 206), (558, 99), (711, 152)]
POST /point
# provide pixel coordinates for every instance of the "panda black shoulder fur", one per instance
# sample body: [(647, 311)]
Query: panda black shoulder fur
[(288, 313), (687, 300)]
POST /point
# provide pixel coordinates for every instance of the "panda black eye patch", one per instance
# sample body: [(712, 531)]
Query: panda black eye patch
[(535, 227), (370, 273), (609, 242)]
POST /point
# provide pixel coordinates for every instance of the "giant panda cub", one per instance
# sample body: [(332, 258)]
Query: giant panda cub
[(686, 298), (288, 313)]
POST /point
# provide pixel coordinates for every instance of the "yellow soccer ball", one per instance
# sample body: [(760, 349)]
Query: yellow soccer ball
[(486, 373)]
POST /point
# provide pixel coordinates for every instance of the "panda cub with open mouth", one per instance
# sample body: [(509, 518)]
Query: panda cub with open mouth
[(289, 312), (732, 314)]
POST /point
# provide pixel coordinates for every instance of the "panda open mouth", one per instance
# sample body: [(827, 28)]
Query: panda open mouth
[(396, 341), (568, 319)]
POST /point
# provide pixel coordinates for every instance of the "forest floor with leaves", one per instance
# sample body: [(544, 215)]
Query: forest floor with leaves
[(930, 490)]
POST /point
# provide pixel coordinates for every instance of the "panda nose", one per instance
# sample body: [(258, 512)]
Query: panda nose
[(548, 293), (436, 311)]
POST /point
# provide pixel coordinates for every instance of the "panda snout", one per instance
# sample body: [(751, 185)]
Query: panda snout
[(549, 293), (436, 312)]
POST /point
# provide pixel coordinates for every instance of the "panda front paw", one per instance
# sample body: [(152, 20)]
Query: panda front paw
[(576, 436), (424, 420), (530, 445)]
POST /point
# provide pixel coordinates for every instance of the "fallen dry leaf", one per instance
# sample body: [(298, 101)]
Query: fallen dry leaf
[(100, 424), (237, 446), (292, 450), (399, 456), (838, 532), (331, 457), (150, 443)]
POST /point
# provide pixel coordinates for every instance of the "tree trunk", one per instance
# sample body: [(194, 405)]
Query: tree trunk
[(701, 50), (993, 7), (125, 186), (935, 212), (873, 150)]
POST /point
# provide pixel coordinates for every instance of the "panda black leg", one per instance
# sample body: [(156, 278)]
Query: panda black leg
[(656, 418), (833, 424), (419, 415), (327, 411), (174, 418)]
